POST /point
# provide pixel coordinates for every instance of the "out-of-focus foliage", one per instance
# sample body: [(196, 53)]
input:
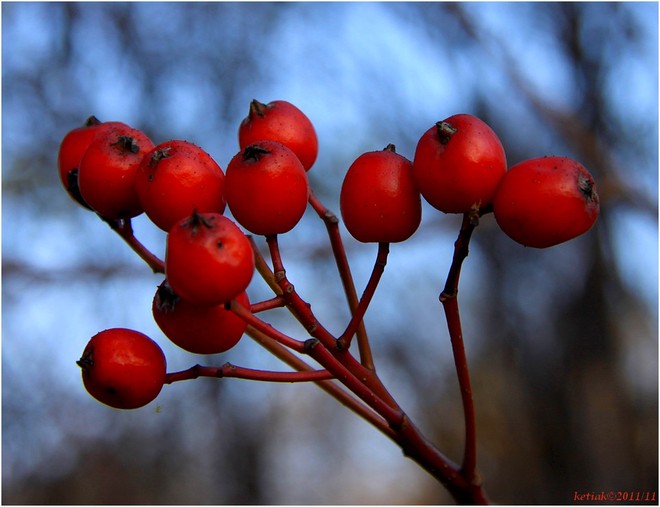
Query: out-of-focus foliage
[(562, 342)]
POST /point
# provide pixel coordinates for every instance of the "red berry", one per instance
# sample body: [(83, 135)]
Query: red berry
[(197, 329), (545, 201), (379, 198), (123, 368), (283, 122), (72, 148), (106, 174), (177, 178), (266, 188), (458, 164), (209, 260)]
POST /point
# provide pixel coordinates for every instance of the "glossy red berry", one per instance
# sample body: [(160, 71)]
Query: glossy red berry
[(177, 178), (545, 201), (72, 148), (106, 175), (267, 188), (283, 122), (208, 260), (197, 329), (379, 199), (458, 164), (123, 368)]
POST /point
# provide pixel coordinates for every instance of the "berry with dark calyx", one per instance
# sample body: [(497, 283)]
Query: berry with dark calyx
[(107, 170), (176, 178), (379, 199), (458, 164), (267, 189), (545, 201), (208, 259), (123, 368), (199, 329), (283, 122), (72, 148)]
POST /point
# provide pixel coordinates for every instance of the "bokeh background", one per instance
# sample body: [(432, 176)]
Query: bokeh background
[(562, 342)]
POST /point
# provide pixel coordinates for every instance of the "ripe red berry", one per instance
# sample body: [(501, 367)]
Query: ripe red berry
[(545, 201), (197, 329), (379, 199), (266, 188), (283, 122), (106, 174), (208, 260), (458, 164), (123, 368), (72, 148), (177, 178)]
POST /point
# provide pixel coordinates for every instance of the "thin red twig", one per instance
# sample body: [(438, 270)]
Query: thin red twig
[(264, 327), (332, 388), (332, 225), (124, 228), (344, 340), (229, 370), (269, 304), (449, 300), (299, 308), (393, 415)]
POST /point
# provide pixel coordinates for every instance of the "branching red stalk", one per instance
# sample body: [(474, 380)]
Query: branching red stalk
[(304, 314), (394, 416), (333, 389), (300, 309), (362, 384), (414, 445), (124, 228), (332, 225), (266, 328), (228, 370), (344, 341)]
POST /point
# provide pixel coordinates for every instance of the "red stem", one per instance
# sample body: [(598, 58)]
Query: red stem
[(264, 327), (300, 309), (449, 300), (414, 445), (262, 306), (263, 269), (124, 228), (304, 314), (393, 415), (332, 225), (230, 370), (332, 388), (344, 341)]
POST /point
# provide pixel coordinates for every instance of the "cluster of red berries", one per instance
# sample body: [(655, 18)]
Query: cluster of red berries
[(460, 167), (117, 171)]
